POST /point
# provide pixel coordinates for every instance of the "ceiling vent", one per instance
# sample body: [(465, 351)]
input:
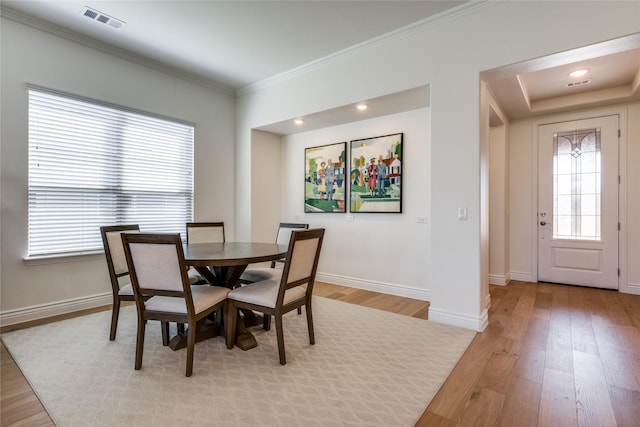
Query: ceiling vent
[(101, 17), (579, 83)]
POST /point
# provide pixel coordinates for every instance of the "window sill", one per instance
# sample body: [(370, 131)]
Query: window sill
[(62, 258)]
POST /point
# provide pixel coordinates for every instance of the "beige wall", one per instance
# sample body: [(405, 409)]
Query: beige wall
[(30, 56), (448, 56)]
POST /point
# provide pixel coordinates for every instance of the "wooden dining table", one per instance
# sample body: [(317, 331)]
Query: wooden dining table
[(222, 264)]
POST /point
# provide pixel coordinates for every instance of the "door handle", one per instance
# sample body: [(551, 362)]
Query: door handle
[(543, 223)]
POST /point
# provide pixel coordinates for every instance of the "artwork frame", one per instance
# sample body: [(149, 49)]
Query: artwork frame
[(378, 189), (317, 197)]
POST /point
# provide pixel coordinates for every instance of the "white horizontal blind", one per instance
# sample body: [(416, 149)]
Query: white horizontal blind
[(92, 165)]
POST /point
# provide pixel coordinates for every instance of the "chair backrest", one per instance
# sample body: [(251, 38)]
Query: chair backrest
[(114, 251), (205, 232), (301, 261), (285, 229), (156, 265)]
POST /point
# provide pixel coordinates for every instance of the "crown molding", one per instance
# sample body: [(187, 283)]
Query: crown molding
[(455, 13), (57, 30)]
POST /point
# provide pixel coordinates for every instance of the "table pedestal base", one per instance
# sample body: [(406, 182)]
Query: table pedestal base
[(204, 332)]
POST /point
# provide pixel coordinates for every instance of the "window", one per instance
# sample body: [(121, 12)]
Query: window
[(92, 164), (576, 185)]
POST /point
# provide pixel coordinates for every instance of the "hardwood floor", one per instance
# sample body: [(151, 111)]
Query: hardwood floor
[(552, 355)]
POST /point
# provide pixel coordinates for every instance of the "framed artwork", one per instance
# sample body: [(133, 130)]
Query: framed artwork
[(324, 178), (375, 178)]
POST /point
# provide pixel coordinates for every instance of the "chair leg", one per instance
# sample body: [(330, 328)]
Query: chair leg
[(191, 343), (140, 343), (115, 312), (299, 311), (280, 335), (231, 320), (266, 322), (312, 338), (164, 326)]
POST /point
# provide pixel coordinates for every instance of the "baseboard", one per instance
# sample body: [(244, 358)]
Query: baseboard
[(496, 279), (369, 285), (523, 277), (467, 322), (37, 312), (631, 288)]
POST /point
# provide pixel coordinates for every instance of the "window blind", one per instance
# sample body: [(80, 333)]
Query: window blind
[(92, 164)]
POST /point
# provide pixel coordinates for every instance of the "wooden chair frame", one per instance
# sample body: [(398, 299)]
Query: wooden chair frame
[(285, 284), (142, 293)]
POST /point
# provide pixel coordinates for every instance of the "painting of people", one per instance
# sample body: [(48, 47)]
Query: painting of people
[(375, 179), (324, 188)]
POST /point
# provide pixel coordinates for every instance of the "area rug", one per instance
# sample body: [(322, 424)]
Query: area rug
[(367, 368)]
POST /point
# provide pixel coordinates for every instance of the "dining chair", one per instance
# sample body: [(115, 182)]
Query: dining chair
[(275, 297), (118, 269), (256, 274), (205, 232), (162, 290)]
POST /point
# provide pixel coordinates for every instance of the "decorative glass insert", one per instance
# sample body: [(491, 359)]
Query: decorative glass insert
[(577, 164)]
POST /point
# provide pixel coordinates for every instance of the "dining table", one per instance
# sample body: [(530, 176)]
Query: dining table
[(222, 264)]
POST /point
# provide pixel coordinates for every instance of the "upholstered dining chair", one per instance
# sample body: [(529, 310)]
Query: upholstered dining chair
[(118, 269), (256, 274), (162, 290), (205, 232), (275, 297)]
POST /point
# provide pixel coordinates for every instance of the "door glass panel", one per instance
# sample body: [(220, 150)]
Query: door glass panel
[(576, 185)]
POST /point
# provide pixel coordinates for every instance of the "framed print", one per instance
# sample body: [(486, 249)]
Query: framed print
[(376, 174), (324, 180)]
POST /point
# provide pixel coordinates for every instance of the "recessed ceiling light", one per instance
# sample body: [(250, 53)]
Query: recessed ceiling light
[(579, 73), (362, 107), (298, 121)]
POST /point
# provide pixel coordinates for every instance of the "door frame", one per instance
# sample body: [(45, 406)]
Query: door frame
[(619, 110)]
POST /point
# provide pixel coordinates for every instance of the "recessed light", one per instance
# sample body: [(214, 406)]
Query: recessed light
[(298, 121), (579, 73), (362, 107)]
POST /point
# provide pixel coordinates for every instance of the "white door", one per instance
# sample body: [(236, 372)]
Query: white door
[(578, 202)]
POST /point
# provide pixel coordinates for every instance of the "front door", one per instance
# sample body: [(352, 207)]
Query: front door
[(578, 202)]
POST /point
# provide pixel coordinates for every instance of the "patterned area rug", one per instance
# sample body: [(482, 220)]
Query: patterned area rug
[(367, 368)]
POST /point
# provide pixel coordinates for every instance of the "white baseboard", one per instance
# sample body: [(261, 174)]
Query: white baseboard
[(631, 288), (369, 285), (495, 279), (36, 312), (523, 277), (463, 321)]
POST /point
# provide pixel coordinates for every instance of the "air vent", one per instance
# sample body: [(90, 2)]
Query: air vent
[(580, 83), (101, 17)]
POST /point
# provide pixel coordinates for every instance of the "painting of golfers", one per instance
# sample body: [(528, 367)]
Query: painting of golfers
[(376, 174), (324, 187)]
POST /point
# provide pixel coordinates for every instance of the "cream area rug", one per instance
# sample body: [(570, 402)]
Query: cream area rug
[(367, 368)]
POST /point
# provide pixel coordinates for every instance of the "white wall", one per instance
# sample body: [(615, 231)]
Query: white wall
[(35, 57), (498, 206), (448, 55), (524, 183), (382, 252)]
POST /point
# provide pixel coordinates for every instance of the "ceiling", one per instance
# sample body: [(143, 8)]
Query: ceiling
[(236, 44)]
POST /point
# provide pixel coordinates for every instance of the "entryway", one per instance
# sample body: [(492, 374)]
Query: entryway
[(578, 181)]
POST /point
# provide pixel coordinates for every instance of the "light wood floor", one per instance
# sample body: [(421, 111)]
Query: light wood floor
[(552, 355)]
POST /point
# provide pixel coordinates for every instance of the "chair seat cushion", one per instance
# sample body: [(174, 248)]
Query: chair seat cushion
[(265, 293), (126, 290), (203, 298), (195, 277), (259, 274)]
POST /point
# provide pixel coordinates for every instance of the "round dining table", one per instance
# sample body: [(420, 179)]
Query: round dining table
[(222, 264)]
